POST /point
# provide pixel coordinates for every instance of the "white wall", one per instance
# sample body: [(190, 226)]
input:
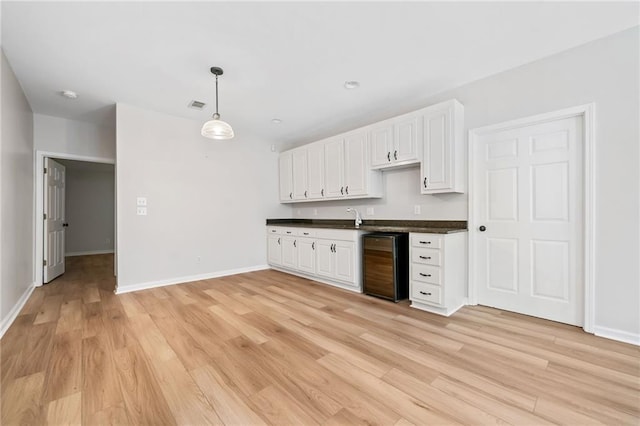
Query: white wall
[(605, 72), (64, 136), (89, 208), (16, 195), (207, 200)]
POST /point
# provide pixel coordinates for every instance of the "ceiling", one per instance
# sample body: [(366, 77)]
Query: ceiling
[(86, 166), (281, 60)]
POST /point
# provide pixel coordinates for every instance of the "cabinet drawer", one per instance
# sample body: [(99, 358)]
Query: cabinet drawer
[(426, 256), (426, 240), (274, 230), (428, 293), (306, 232), (427, 274), (289, 231)]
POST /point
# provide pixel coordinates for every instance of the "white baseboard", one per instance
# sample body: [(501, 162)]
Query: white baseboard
[(186, 279), (613, 334), (88, 253), (11, 316)]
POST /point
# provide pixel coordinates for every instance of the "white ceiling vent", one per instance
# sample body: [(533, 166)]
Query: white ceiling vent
[(197, 105)]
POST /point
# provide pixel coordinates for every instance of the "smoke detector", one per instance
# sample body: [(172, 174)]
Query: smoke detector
[(197, 104)]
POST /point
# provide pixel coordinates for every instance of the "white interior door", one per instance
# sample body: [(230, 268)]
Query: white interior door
[(528, 206), (54, 226)]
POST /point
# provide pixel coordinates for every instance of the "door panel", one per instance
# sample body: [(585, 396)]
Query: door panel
[(324, 258), (334, 167), (529, 198), (355, 157), (286, 176), (437, 155), (54, 233), (300, 186), (406, 139), (344, 254), (315, 167), (274, 250), (289, 252), (306, 255), (381, 143)]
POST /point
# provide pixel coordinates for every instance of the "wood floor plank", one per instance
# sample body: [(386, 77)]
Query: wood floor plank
[(66, 410), (100, 386), (64, 372), (267, 347), (141, 393)]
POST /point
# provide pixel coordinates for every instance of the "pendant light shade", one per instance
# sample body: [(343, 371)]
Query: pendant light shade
[(216, 128)]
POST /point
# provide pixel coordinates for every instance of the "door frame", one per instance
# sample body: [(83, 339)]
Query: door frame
[(39, 205), (587, 112)]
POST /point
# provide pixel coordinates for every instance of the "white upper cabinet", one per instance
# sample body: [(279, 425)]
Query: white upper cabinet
[(334, 167), (285, 165), (315, 167), (442, 168), (381, 143), (356, 168), (395, 142), (300, 177)]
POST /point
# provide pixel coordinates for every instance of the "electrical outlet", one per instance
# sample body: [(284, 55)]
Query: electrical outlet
[(370, 211), (416, 209), (141, 201), (315, 212), (142, 211)]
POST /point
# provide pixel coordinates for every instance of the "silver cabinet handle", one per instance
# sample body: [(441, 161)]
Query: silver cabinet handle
[(395, 154), (313, 245), (425, 242), (278, 240), (322, 192), (425, 293), (425, 257), (294, 243), (305, 233), (425, 182), (425, 275), (305, 194), (388, 156), (342, 190), (347, 189), (291, 195)]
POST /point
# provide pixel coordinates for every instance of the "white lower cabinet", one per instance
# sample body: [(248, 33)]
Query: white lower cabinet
[(438, 272), (326, 255)]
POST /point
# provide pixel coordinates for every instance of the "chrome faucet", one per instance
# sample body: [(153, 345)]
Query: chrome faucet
[(358, 217)]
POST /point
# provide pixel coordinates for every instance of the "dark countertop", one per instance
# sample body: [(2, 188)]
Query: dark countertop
[(424, 226)]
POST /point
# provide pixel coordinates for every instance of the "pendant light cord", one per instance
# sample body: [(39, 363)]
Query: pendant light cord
[(217, 95)]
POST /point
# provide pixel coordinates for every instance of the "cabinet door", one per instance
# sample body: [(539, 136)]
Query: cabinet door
[(355, 164), (274, 250), (300, 186), (436, 163), (345, 261), (334, 167), (289, 252), (307, 255), (315, 166), (324, 258), (405, 148), (286, 176), (380, 143)]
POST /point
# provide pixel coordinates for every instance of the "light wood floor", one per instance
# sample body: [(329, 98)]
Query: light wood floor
[(269, 348)]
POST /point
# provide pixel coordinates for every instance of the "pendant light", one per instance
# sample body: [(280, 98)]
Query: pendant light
[(216, 128)]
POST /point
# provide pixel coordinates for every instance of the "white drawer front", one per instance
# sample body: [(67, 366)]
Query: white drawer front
[(426, 256), (427, 274), (426, 240), (307, 232), (290, 232), (271, 230), (427, 293)]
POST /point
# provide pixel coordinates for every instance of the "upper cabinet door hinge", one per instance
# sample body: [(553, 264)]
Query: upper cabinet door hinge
[(45, 170), (44, 262), (45, 216)]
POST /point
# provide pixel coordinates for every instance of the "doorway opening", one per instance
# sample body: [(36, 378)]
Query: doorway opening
[(75, 212)]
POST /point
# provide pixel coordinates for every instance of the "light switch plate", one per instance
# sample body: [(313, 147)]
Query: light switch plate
[(141, 201), (416, 209), (370, 211), (142, 211)]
